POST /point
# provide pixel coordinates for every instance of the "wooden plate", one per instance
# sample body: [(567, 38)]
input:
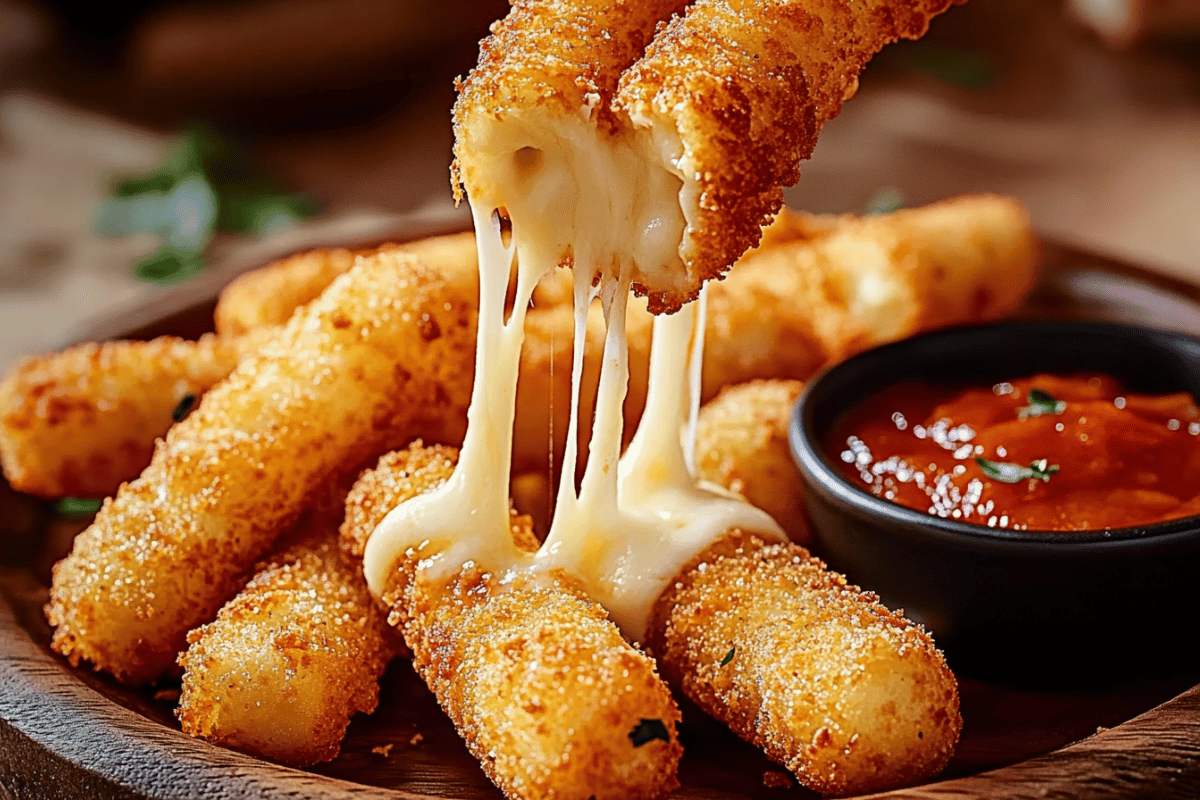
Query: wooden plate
[(73, 733)]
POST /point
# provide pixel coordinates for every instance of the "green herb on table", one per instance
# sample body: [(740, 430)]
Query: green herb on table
[(1040, 404), (957, 66), (76, 507), (885, 201), (1015, 473), (647, 731), (206, 186)]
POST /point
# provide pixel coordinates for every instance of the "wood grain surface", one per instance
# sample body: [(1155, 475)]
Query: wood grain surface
[(74, 733)]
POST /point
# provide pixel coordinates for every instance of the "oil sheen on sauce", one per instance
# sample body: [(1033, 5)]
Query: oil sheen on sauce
[(1049, 453), (633, 521)]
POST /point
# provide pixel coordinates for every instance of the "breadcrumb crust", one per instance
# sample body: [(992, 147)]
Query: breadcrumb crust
[(291, 658), (536, 679), (385, 352), (848, 695)]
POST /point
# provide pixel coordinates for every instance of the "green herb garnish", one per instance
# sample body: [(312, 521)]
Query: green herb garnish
[(1015, 473), (1040, 404), (76, 506), (728, 657), (647, 731), (186, 403), (207, 185), (885, 201)]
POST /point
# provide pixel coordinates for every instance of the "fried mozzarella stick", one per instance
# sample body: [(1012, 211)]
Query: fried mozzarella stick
[(291, 658), (386, 349), (79, 422), (540, 684), (270, 295), (849, 696), (742, 444), (733, 95), (834, 285)]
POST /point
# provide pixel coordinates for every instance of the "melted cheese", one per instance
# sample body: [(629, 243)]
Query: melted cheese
[(614, 205)]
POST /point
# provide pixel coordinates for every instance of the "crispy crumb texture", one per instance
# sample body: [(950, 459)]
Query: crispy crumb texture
[(848, 695), (291, 658), (535, 677), (386, 352)]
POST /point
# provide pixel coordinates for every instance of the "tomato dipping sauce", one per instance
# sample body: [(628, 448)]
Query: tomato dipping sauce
[(1046, 453)]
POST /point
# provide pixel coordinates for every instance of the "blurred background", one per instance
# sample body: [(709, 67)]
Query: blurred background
[(150, 149)]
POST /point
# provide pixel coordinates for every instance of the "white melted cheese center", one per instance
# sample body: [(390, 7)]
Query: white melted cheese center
[(613, 204)]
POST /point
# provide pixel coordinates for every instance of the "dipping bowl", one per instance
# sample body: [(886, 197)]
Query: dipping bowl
[(1038, 608)]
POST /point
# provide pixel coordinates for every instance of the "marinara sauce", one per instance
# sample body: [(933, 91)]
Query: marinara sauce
[(1044, 453)]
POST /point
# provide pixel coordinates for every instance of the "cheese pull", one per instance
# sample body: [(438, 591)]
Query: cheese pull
[(849, 696), (539, 683)]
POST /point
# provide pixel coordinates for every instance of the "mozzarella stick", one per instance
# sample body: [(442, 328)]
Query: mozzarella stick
[(291, 658), (733, 95), (79, 422), (269, 295), (537, 680), (742, 444), (834, 285), (384, 351), (849, 696)]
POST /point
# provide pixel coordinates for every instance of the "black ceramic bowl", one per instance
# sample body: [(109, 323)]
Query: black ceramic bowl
[(1039, 608)]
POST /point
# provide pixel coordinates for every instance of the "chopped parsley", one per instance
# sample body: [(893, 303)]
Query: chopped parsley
[(1015, 473), (186, 403), (1040, 404), (647, 731), (728, 656)]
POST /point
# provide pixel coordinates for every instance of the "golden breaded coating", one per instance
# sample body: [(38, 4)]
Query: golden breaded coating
[(270, 295), (849, 696), (746, 86), (386, 348), (742, 444), (79, 422), (535, 677), (876, 279), (291, 658)]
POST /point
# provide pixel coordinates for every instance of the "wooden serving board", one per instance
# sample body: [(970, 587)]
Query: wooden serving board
[(73, 733)]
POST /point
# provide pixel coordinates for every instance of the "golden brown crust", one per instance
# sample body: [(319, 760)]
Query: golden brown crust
[(291, 658), (849, 696), (742, 444), (270, 295), (747, 85), (387, 348), (536, 679), (79, 422)]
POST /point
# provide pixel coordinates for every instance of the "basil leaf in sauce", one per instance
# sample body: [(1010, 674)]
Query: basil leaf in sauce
[(1041, 403), (647, 731), (1006, 472)]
